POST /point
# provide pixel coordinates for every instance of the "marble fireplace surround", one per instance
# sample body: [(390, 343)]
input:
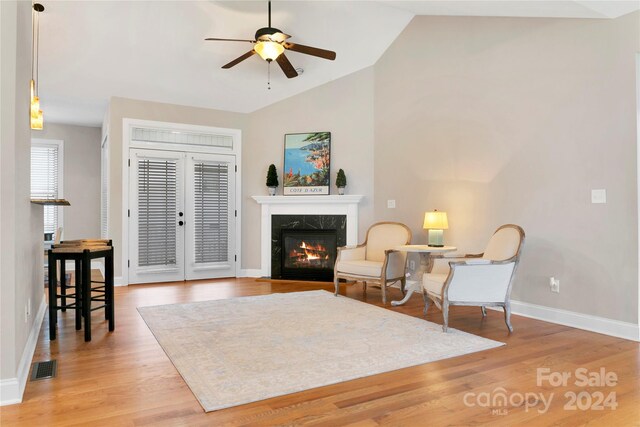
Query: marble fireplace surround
[(304, 205)]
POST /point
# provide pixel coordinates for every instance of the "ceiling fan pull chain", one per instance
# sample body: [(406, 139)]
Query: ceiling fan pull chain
[(269, 75)]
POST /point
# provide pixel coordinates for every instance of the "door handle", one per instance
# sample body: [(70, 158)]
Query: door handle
[(181, 223)]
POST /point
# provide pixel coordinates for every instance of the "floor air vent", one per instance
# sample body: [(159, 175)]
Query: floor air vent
[(44, 370)]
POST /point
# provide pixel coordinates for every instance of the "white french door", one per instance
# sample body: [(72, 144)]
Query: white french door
[(210, 226), (182, 216)]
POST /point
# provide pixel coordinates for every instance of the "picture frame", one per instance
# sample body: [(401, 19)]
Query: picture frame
[(307, 164)]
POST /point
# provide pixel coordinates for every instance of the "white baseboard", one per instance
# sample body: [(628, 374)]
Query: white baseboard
[(250, 272), (587, 322), (118, 281), (12, 389)]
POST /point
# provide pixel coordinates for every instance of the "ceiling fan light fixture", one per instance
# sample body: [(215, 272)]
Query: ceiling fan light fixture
[(268, 50)]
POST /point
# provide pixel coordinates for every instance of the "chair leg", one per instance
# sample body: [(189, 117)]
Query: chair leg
[(507, 315), (403, 285), (86, 294), (109, 291), (427, 302), (445, 315), (78, 289), (63, 286), (484, 311), (364, 286), (336, 283), (53, 299), (384, 292)]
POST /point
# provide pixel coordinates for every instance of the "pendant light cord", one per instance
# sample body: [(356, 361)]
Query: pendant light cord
[(37, 51), (33, 39), (35, 44)]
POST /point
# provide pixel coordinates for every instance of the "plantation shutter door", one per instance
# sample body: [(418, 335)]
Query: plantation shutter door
[(211, 205), (44, 181), (157, 210), (157, 203), (211, 232)]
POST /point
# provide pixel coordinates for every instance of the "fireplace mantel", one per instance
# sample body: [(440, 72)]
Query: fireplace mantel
[(304, 205), (308, 200)]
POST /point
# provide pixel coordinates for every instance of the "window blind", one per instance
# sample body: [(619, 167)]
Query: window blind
[(157, 212), (104, 192), (211, 212), (44, 181)]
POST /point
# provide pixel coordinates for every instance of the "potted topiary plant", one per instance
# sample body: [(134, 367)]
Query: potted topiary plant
[(272, 179), (341, 181)]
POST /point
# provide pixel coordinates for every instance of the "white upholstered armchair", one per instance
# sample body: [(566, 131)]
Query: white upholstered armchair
[(480, 280), (375, 261)]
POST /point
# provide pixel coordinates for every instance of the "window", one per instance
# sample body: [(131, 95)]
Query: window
[(46, 179)]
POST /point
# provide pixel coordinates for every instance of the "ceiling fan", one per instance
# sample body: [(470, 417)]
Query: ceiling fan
[(270, 43)]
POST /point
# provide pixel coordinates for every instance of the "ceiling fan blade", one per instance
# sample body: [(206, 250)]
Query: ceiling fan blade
[(229, 40), (286, 66), (240, 59), (321, 53)]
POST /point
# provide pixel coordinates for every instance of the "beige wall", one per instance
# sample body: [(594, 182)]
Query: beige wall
[(121, 108), (499, 120), (21, 271), (345, 108), (81, 177), (494, 120)]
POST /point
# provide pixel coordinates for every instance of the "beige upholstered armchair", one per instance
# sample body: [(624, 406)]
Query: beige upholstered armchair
[(482, 280), (375, 261)]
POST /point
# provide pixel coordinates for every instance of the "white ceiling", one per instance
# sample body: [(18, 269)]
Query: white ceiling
[(155, 50)]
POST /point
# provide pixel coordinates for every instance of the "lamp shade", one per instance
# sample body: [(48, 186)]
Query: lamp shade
[(435, 220), (268, 51)]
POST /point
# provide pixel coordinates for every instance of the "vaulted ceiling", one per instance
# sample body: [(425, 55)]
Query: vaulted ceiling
[(155, 50)]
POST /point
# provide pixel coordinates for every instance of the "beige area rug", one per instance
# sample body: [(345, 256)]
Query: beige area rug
[(240, 350)]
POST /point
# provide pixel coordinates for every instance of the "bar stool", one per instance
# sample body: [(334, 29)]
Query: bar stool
[(81, 252)]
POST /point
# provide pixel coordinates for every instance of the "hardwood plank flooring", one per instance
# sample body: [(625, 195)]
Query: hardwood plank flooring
[(125, 379)]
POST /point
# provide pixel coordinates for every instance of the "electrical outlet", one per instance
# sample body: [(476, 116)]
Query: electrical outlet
[(412, 265), (391, 204), (554, 285)]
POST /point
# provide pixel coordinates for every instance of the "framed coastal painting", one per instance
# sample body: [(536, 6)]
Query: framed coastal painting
[(307, 157)]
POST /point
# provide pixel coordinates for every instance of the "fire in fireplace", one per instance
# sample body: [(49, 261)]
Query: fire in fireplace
[(308, 254)]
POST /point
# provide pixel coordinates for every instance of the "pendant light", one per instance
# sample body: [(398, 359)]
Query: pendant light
[(35, 112)]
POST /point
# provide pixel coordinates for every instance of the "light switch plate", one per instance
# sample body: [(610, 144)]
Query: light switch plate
[(599, 196), (391, 204)]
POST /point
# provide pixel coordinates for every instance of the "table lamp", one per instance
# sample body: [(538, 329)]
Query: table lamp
[(435, 222)]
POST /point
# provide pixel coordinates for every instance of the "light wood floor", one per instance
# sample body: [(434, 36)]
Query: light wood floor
[(124, 377)]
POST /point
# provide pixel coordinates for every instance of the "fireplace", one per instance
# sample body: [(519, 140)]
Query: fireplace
[(329, 231), (308, 254)]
